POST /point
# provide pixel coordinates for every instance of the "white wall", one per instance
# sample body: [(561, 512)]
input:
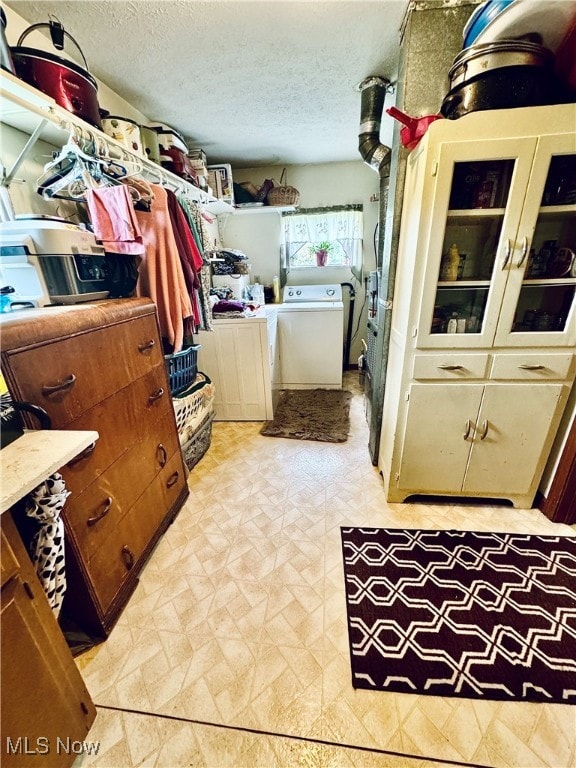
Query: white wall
[(258, 235)]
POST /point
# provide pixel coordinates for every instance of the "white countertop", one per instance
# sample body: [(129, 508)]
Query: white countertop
[(262, 314), (32, 458)]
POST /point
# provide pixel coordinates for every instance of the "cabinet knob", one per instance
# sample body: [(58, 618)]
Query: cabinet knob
[(62, 386), (529, 367), (507, 252), (484, 429), (447, 367), (146, 346), (156, 396), (161, 455), (467, 428), (172, 480), (524, 251), (103, 512), (83, 455), (128, 557)]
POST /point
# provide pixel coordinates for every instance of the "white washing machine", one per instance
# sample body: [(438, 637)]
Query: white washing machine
[(311, 337)]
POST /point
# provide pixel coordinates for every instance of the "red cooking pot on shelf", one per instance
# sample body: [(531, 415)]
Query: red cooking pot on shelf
[(71, 87), (414, 127)]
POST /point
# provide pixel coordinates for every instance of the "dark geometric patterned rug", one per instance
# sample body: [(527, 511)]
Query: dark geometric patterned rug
[(459, 613)]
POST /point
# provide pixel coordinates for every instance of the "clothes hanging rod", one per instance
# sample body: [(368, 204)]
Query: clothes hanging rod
[(32, 102)]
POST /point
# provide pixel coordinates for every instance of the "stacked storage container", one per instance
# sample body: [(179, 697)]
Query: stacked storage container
[(193, 401)]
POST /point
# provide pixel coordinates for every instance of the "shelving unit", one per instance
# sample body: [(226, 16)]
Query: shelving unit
[(264, 209), (38, 115)]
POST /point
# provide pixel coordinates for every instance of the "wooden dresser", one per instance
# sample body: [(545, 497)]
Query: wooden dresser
[(101, 366)]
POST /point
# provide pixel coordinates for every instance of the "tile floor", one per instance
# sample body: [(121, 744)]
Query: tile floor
[(233, 650)]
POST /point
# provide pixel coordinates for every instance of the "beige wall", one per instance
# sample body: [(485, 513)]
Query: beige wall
[(258, 235)]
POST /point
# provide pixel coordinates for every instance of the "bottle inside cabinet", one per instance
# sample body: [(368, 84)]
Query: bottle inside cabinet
[(543, 308), (463, 306), (476, 240)]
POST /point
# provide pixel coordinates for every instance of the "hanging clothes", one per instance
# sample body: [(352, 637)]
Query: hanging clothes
[(193, 217), (188, 254), (114, 219), (45, 504), (161, 275)]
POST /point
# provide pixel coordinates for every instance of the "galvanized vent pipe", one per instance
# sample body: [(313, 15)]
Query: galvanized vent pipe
[(376, 155)]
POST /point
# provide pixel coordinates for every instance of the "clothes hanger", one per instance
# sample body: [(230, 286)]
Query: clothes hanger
[(52, 186), (72, 183), (70, 149)]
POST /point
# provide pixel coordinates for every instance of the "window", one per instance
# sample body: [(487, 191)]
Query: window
[(319, 237)]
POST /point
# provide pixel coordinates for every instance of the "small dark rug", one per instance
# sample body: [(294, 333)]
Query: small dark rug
[(457, 613), (311, 414)]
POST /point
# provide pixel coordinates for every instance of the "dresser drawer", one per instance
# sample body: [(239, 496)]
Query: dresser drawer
[(69, 376), (534, 366), (123, 419), (111, 564), (92, 517), (456, 366)]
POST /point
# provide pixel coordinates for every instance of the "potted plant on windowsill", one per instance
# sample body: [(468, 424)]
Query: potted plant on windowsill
[(321, 251)]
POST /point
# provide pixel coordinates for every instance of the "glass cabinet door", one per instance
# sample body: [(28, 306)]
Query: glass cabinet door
[(540, 306), (476, 210)]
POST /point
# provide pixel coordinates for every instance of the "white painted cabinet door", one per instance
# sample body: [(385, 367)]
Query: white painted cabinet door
[(539, 307), (437, 439), (514, 235), (511, 438), (482, 233), (236, 357)]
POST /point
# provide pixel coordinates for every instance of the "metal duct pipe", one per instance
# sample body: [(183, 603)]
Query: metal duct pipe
[(375, 154)]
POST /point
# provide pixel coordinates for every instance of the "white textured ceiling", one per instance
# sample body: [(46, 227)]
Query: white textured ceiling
[(253, 82)]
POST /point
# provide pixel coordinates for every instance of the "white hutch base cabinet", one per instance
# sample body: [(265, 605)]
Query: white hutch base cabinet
[(482, 347)]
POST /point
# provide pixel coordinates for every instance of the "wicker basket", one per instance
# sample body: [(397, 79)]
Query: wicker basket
[(196, 447), (192, 406), (282, 194)]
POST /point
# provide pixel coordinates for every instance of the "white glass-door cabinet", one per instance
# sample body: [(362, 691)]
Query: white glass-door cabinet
[(482, 348)]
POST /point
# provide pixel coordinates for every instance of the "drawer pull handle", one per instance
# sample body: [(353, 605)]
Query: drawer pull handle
[(524, 250), (172, 480), (467, 428), (105, 509), (447, 367), (484, 429), (528, 367), (68, 383), (128, 557), (507, 252), (83, 455), (162, 455), (146, 346), (156, 396)]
